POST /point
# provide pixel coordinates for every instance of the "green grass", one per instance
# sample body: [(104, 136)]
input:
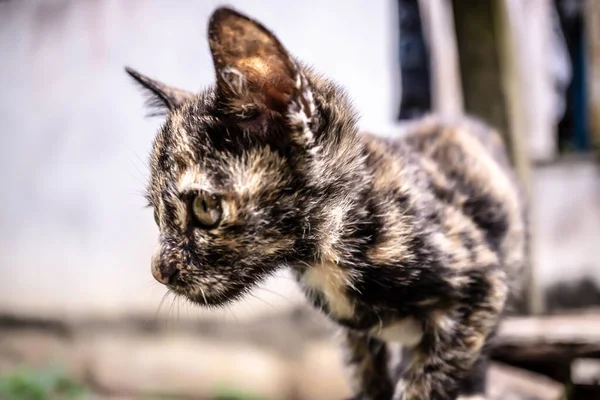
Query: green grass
[(50, 383), (53, 383), (229, 393)]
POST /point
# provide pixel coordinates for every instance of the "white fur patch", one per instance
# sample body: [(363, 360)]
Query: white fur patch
[(255, 171), (297, 112), (444, 322), (234, 79), (408, 332), (332, 229), (194, 179)]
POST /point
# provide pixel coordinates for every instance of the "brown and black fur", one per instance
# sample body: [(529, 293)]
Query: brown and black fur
[(412, 241)]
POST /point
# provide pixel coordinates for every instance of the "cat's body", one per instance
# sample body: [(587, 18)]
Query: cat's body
[(440, 232), (447, 238), (410, 241)]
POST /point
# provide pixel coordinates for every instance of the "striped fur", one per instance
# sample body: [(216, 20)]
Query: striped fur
[(413, 241)]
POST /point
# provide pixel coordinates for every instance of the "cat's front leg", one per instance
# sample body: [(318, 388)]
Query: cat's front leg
[(368, 359), (437, 370), (473, 387), (454, 343)]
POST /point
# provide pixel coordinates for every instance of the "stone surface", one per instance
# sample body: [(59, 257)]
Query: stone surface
[(134, 364), (321, 374), (40, 350), (186, 366), (509, 383)]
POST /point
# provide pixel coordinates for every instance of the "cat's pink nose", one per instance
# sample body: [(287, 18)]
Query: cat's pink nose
[(164, 273), (161, 271)]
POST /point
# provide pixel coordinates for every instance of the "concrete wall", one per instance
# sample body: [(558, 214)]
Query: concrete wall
[(566, 214)]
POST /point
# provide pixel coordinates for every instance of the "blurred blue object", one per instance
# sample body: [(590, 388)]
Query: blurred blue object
[(414, 62)]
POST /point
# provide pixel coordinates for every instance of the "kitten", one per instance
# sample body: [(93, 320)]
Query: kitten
[(410, 241)]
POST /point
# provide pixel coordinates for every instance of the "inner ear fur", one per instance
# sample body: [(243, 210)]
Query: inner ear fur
[(251, 64)]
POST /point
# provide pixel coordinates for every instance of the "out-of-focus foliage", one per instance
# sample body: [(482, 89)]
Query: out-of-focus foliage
[(47, 384), (229, 393)]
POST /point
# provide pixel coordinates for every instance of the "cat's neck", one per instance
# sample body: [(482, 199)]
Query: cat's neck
[(359, 217), (357, 184)]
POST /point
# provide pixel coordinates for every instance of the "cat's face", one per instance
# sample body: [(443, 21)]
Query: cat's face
[(226, 168), (225, 206)]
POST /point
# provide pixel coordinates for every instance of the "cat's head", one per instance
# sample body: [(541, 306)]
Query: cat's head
[(244, 175)]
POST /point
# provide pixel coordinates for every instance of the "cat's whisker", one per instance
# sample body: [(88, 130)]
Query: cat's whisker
[(138, 157), (228, 308), (254, 296), (170, 314), (160, 304), (142, 182), (203, 295), (144, 176), (280, 295)]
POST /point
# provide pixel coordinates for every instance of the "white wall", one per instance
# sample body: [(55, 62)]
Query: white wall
[(74, 236), (566, 213)]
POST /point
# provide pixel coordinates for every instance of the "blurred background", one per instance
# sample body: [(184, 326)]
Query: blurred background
[(81, 315)]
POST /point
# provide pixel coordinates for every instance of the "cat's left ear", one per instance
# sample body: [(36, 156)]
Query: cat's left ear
[(162, 98), (255, 73)]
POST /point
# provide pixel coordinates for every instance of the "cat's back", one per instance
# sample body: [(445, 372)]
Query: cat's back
[(445, 139), (459, 171), (463, 151), (466, 156)]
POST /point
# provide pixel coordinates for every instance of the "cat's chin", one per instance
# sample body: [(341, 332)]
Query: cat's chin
[(207, 300)]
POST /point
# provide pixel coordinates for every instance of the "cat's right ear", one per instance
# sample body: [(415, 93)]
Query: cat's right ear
[(161, 97), (255, 73)]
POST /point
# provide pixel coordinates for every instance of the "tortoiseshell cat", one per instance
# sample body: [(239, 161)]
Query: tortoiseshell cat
[(411, 241)]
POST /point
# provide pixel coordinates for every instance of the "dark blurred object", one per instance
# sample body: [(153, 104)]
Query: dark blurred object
[(580, 294), (591, 15), (507, 382), (573, 131), (554, 346), (414, 62), (479, 53)]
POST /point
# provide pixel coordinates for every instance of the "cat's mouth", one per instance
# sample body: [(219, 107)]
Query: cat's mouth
[(209, 287), (205, 297)]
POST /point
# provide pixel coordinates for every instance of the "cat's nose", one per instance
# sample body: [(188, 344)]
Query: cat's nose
[(161, 271), (164, 273)]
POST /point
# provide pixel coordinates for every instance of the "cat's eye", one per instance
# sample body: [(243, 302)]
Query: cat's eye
[(207, 210)]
